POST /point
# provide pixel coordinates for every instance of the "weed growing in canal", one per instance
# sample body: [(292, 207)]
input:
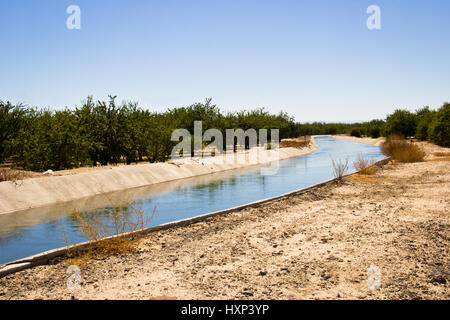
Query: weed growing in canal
[(108, 232), (364, 165), (340, 167)]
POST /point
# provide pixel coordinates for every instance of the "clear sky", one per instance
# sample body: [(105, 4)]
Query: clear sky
[(314, 59)]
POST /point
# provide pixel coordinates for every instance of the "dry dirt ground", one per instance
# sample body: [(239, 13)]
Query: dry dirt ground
[(318, 245)]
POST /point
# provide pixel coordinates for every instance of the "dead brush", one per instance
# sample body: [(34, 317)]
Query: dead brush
[(365, 166), (109, 232), (7, 174), (367, 179), (401, 150), (439, 159), (295, 143), (340, 167), (441, 154)]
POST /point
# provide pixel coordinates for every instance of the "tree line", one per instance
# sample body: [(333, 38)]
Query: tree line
[(423, 124), (105, 132)]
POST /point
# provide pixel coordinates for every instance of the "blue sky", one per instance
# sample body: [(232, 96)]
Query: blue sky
[(313, 59)]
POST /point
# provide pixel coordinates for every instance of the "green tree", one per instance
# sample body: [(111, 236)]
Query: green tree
[(439, 130), (50, 141), (375, 128), (401, 122), (13, 118), (425, 117)]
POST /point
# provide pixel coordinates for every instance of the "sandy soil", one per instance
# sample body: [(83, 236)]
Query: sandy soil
[(318, 245)]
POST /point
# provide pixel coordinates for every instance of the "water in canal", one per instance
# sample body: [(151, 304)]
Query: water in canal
[(29, 232)]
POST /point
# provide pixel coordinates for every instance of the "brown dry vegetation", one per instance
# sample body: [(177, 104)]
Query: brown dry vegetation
[(110, 233), (340, 167), (439, 159), (8, 174), (402, 150), (365, 166), (441, 154), (299, 143)]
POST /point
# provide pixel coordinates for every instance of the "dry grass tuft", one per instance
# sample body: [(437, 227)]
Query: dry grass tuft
[(295, 143), (441, 154), (7, 174), (440, 159), (365, 166), (109, 233), (340, 167), (366, 178), (401, 150)]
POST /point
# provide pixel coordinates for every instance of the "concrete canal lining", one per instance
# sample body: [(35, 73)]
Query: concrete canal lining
[(39, 192)]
